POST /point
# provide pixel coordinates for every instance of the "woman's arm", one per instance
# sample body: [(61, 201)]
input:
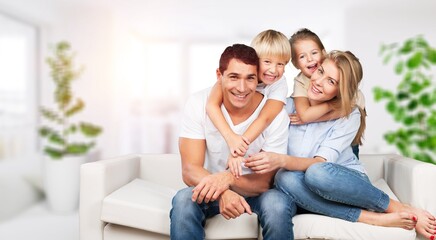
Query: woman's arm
[(265, 162), (237, 144), (269, 111)]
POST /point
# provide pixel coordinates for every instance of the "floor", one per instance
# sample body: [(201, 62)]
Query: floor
[(40, 224)]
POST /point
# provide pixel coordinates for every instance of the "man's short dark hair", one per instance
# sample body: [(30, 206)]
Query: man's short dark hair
[(241, 52)]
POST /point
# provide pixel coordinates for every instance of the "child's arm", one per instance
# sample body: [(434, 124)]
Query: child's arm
[(238, 145), (269, 111), (234, 164), (307, 113)]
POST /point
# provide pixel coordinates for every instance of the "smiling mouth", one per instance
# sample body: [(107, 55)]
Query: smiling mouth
[(315, 90), (312, 67), (240, 96), (269, 77)]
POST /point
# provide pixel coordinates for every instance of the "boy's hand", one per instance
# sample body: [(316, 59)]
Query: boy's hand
[(234, 163), (238, 144), (295, 120)]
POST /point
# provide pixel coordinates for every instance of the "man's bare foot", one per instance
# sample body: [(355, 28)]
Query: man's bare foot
[(404, 220)]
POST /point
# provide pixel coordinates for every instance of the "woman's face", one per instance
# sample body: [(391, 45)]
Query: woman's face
[(324, 84)]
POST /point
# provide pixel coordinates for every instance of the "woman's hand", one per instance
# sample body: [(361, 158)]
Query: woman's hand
[(264, 162)]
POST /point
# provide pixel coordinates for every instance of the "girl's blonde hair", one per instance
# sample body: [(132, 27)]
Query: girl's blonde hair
[(350, 75), (272, 43)]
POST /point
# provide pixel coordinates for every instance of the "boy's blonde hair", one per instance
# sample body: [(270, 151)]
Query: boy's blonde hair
[(350, 76), (272, 43)]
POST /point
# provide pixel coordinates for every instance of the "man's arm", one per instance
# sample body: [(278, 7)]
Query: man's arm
[(192, 153), (250, 185), (207, 186)]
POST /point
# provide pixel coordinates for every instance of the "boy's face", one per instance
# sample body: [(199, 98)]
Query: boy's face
[(238, 83), (309, 56), (271, 69)]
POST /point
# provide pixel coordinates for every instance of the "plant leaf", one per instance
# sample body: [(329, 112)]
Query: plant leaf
[(76, 108), (415, 61), (89, 129), (431, 55)]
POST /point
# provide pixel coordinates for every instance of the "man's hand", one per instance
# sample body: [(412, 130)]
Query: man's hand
[(232, 205), (263, 162), (211, 187)]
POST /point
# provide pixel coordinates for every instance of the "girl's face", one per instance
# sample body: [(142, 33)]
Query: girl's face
[(271, 69), (324, 84), (309, 56)]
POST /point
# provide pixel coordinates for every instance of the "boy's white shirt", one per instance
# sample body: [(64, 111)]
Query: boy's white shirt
[(277, 91)]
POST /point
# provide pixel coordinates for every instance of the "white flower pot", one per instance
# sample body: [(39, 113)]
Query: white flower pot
[(61, 182)]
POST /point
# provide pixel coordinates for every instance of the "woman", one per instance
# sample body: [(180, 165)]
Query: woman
[(320, 173)]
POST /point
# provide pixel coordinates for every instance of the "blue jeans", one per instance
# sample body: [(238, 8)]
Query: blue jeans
[(272, 207), (332, 190)]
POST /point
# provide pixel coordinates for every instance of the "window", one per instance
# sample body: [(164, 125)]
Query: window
[(18, 57)]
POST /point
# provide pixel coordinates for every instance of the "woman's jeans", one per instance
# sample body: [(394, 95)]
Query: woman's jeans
[(332, 190), (272, 207)]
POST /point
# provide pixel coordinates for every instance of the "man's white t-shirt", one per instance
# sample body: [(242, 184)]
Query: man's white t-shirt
[(197, 125)]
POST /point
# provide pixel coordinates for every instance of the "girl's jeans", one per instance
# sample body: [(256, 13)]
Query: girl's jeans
[(272, 207), (332, 190)]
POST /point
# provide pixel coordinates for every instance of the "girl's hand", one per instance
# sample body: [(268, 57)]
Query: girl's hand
[(295, 120), (263, 162), (238, 144), (234, 164)]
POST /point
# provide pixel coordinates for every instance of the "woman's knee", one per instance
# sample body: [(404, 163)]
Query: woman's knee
[(320, 176), (288, 181)]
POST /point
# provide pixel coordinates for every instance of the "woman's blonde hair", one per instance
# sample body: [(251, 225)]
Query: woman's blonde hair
[(272, 43), (350, 75)]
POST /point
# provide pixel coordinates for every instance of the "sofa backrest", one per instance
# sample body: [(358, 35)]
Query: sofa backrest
[(165, 169), (374, 165)]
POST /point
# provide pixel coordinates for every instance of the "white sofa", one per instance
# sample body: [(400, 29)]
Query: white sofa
[(129, 198)]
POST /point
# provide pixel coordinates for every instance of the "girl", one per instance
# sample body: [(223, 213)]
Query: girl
[(307, 54)]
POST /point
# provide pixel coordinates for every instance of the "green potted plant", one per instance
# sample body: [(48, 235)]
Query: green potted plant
[(58, 135), (412, 105), (66, 142)]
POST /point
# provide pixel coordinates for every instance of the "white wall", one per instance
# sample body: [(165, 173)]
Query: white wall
[(97, 29)]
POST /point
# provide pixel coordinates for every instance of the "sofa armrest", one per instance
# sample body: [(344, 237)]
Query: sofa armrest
[(411, 181), (97, 180)]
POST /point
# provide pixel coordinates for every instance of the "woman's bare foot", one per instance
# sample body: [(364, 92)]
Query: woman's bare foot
[(404, 220), (426, 225)]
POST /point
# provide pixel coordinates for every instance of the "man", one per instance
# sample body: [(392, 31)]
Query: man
[(213, 190)]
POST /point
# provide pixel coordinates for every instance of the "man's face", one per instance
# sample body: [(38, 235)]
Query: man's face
[(238, 83)]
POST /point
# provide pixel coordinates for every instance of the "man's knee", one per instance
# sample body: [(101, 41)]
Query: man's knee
[(182, 200), (274, 201)]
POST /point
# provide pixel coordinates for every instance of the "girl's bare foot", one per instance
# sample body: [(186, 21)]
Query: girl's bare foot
[(404, 220)]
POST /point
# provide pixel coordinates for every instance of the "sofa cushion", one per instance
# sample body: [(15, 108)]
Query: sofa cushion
[(318, 226), (322, 227), (146, 205)]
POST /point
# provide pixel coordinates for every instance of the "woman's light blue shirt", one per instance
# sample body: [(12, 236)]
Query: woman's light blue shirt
[(330, 140)]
